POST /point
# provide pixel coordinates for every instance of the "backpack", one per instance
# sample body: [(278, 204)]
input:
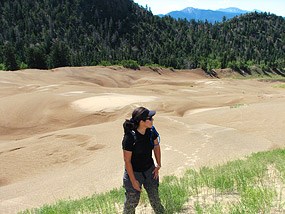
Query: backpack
[(152, 130)]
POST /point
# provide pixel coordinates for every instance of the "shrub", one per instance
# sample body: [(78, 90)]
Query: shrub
[(213, 64), (153, 65), (23, 65), (132, 64), (2, 67), (105, 63), (233, 65), (263, 66), (94, 63)]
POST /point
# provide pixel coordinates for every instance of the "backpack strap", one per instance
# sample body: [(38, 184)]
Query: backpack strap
[(153, 130), (135, 137)]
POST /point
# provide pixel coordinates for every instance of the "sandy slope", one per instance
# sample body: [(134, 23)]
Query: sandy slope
[(61, 130)]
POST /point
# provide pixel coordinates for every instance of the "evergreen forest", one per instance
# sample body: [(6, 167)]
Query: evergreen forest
[(54, 33)]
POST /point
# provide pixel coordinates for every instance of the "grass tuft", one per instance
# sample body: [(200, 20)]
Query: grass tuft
[(279, 86), (238, 105)]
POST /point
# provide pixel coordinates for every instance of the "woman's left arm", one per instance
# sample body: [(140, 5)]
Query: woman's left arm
[(157, 155)]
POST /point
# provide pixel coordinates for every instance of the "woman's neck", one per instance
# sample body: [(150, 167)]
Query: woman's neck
[(141, 130)]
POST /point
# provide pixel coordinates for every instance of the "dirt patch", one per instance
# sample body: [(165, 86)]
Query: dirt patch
[(96, 147), (4, 182)]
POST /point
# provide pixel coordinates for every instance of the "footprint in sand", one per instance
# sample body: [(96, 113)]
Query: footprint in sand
[(189, 160), (194, 157), (176, 121)]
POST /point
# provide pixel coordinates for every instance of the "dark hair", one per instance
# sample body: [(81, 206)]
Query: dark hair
[(138, 114)]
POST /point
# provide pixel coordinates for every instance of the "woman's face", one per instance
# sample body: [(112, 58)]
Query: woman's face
[(148, 122)]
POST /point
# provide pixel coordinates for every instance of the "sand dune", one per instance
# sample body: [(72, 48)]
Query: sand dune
[(61, 129), (108, 102)]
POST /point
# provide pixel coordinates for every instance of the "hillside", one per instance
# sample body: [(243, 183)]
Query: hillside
[(48, 34)]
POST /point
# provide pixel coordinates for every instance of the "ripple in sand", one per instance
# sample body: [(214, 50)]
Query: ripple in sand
[(70, 93)]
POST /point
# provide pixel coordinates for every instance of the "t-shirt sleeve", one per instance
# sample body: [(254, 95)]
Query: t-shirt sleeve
[(128, 142), (155, 135)]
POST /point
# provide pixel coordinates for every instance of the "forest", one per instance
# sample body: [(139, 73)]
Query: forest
[(55, 33)]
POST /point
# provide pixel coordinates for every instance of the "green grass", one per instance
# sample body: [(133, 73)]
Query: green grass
[(279, 86), (261, 77), (98, 203), (154, 65), (241, 186)]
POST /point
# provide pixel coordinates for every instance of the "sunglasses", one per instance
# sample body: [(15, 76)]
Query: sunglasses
[(149, 118)]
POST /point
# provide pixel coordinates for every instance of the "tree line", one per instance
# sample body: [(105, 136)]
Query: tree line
[(51, 33)]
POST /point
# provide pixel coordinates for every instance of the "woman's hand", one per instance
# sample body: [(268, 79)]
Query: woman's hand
[(136, 185), (155, 172)]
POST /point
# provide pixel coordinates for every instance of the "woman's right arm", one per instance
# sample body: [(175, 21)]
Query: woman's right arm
[(130, 171)]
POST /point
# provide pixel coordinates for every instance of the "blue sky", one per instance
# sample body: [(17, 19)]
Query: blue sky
[(164, 6)]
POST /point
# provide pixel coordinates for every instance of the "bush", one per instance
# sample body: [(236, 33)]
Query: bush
[(132, 64), (213, 64), (94, 63), (255, 69), (105, 63), (2, 67), (233, 65), (23, 65), (263, 66), (153, 65)]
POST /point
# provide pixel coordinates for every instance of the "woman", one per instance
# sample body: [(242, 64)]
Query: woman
[(139, 141)]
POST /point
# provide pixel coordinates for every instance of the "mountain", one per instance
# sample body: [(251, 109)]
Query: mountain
[(233, 10), (209, 15), (49, 33)]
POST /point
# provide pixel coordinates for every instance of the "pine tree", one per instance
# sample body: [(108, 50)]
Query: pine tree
[(9, 57), (36, 57), (60, 55)]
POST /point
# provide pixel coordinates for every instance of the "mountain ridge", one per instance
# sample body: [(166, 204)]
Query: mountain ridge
[(207, 14), (233, 10)]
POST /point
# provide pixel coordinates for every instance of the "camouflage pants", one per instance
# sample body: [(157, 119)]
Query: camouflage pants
[(133, 196)]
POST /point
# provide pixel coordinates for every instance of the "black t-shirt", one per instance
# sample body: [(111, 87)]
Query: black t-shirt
[(141, 149)]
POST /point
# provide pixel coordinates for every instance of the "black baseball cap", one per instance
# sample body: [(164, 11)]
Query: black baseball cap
[(142, 113)]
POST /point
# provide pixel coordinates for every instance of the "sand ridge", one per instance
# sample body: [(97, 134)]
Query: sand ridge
[(61, 129)]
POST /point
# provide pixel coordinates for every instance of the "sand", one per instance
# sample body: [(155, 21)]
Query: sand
[(61, 129)]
